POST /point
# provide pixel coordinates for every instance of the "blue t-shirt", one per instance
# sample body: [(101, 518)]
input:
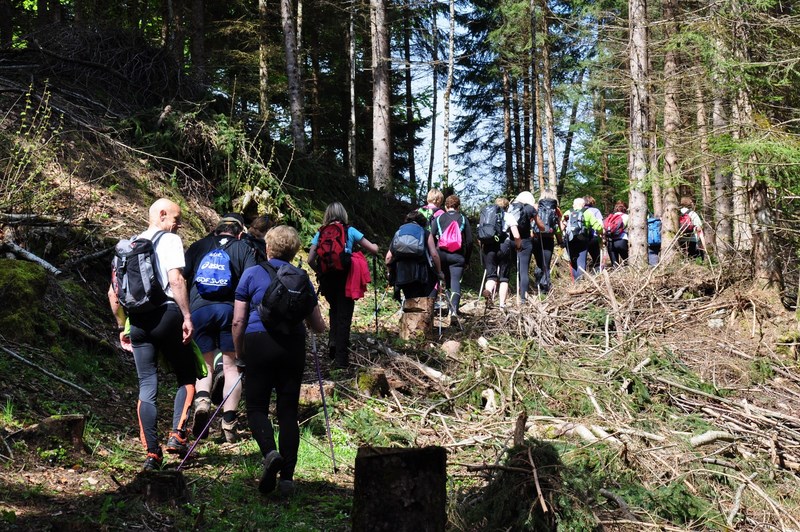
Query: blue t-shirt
[(353, 236), (251, 289)]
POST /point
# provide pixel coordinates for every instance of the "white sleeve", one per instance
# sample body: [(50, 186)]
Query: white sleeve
[(509, 220), (169, 249)]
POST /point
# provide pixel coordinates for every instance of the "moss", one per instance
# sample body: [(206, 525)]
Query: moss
[(22, 289)]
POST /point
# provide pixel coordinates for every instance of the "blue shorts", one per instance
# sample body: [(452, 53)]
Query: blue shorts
[(212, 327)]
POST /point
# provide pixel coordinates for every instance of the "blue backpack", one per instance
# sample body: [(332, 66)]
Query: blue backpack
[(653, 231), (214, 278)]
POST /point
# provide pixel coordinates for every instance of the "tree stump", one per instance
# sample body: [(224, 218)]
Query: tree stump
[(310, 396), (417, 317), (54, 431), (400, 490), (372, 382)]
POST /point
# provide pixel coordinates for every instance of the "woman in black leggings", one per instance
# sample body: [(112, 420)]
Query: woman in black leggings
[(455, 259), (273, 361)]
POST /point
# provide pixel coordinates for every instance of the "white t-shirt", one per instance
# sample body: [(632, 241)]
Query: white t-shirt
[(169, 253)]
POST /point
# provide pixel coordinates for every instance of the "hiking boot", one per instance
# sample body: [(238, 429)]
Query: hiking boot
[(202, 407), (286, 488), (230, 432), (153, 462), (273, 462), (177, 444)]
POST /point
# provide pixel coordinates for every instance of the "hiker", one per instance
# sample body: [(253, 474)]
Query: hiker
[(653, 239), (690, 231), (496, 251), (615, 229), (274, 361), (577, 225), (544, 239), (167, 328), (523, 213), (214, 265), (596, 241), (454, 240), (413, 260), (433, 208), (254, 236), (329, 256)]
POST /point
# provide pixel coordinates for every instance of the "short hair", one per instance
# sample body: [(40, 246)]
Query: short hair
[(416, 217), (435, 196), (335, 212), (620, 206), (283, 242), (452, 202), (548, 193), (259, 226), (578, 204), (687, 201), (589, 201), (503, 203)]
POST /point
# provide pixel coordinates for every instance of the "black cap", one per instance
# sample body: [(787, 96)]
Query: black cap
[(232, 217)]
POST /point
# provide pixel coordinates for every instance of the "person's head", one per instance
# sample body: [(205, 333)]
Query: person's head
[(259, 227), (230, 224), (620, 206), (589, 201), (502, 203), (416, 217), (452, 202), (283, 243), (334, 213), (526, 198), (165, 215), (687, 202), (548, 194), (435, 197), (578, 204)]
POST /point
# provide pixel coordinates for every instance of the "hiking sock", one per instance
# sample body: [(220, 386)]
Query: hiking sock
[(229, 416), (202, 395)]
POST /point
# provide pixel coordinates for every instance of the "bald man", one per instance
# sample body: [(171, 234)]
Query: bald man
[(167, 330)]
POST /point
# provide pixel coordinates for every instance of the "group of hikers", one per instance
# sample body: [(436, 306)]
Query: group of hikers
[(235, 294), (430, 250)]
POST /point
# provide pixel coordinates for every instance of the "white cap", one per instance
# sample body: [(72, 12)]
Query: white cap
[(525, 197), (578, 204)]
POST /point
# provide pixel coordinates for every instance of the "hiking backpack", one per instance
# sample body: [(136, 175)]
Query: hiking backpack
[(332, 248), (214, 278), (135, 267), (685, 224), (654, 231), (548, 216), (614, 226), (517, 210), (409, 242), (450, 238), (490, 224), (288, 299), (430, 212), (576, 226)]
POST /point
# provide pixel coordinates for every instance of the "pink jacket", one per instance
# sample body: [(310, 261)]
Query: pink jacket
[(358, 277)]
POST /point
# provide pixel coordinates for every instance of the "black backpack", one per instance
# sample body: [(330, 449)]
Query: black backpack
[(135, 267), (288, 300), (548, 216), (490, 224), (518, 211), (409, 242), (576, 226)]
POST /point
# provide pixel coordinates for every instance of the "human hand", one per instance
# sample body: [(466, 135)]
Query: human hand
[(188, 330), (125, 341)]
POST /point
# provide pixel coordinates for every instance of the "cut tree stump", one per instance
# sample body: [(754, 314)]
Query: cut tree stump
[(309, 393), (400, 490), (417, 318), (54, 431), (372, 382)]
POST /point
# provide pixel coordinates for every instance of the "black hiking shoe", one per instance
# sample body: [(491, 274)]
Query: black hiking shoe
[(286, 488), (177, 444), (153, 462), (273, 462), (202, 407)]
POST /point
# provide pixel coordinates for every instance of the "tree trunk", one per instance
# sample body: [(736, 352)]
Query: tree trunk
[(600, 127), (316, 103), (547, 93), (381, 94), (172, 31), (451, 45), (263, 63), (517, 134), (672, 119), (508, 147), (573, 120), (705, 171), (538, 146), (435, 91), (198, 42), (637, 10), (526, 132), (410, 130), (6, 23), (722, 176), (293, 76), (351, 82)]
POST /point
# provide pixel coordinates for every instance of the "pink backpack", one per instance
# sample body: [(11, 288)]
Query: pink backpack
[(450, 238)]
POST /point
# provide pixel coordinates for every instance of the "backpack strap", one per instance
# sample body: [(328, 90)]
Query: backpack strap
[(270, 269)]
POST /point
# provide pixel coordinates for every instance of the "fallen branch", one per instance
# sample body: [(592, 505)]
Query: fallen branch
[(56, 377), (621, 504), (710, 437), (86, 258), (27, 255)]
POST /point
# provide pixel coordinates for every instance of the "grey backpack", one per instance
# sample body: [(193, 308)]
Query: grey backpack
[(135, 277)]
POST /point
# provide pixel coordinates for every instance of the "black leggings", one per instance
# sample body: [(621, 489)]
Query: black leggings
[(340, 314), (543, 247), (453, 268), (524, 266), (274, 364), (160, 331), (618, 251)]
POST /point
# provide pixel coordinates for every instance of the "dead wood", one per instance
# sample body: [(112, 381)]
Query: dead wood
[(27, 255)]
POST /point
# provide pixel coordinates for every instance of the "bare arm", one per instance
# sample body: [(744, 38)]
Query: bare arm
[(119, 315), (368, 246), (314, 321), (240, 311), (437, 261), (312, 257), (181, 295)]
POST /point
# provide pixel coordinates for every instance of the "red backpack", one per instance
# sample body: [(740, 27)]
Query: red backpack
[(685, 223), (614, 226), (332, 248)]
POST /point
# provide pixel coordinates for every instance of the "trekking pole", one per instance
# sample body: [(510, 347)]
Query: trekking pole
[(453, 310), (375, 288), (480, 292), (324, 403), (205, 430)]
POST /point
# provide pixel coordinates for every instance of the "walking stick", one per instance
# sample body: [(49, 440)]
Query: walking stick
[(195, 442), (375, 287), (324, 403)]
